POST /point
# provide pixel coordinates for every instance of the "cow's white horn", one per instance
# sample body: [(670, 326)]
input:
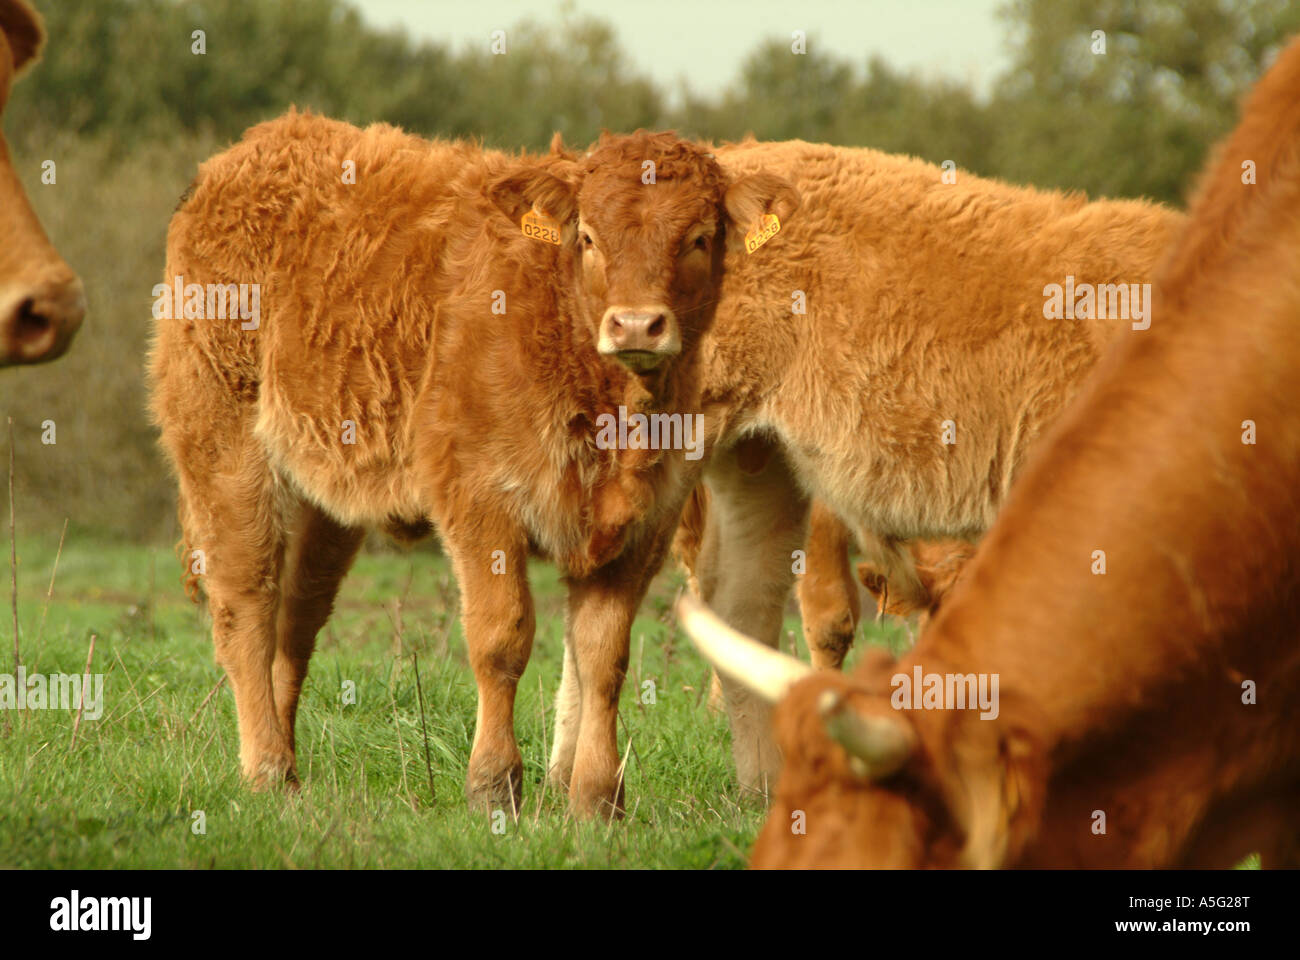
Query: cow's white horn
[(767, 672), (877, 746)]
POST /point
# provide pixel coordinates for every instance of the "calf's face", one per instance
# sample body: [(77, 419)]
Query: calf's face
[(41, 300), (648, 218)]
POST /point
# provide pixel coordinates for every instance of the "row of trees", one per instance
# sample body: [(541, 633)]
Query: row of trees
[(1135, 120)]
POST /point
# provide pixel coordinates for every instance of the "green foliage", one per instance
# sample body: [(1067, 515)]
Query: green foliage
[(1138, 120), (571, 79), (128, 66), (817, 98)]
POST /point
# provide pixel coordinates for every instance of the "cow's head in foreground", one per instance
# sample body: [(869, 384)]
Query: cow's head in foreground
[(648, 217), (889, 804), (41, 299)]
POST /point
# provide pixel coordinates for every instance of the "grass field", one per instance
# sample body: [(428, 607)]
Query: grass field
[(127, 793)]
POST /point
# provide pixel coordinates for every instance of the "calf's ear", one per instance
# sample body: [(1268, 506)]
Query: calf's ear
[(751, 196), (520, 190), (558, 149)]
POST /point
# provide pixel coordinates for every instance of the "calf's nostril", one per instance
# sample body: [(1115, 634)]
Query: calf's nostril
[(30, 324), (656, 326)]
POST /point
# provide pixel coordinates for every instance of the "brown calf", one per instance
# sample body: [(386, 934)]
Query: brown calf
[(419, 358), (900, 358), (41, 300), (1149, 715)]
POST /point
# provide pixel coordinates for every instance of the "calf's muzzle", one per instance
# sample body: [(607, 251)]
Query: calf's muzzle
[(640, 338)]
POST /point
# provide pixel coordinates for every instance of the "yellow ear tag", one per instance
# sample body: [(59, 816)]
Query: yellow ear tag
[(768, 226), (538, 226)]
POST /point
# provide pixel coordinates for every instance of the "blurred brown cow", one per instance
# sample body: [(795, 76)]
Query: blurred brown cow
[(41, 300)]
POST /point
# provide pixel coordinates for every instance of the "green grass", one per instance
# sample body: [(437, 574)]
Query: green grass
[(126, 794)]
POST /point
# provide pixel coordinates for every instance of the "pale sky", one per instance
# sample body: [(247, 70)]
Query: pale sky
[(704, 42)]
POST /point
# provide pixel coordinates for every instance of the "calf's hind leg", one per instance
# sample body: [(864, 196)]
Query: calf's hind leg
[(319, 554)]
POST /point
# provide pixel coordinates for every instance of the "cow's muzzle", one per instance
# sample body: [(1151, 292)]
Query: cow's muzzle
[(38, 322), (640, 338)]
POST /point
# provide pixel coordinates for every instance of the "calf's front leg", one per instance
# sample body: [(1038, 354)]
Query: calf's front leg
[(599, 625), (499, 621)]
